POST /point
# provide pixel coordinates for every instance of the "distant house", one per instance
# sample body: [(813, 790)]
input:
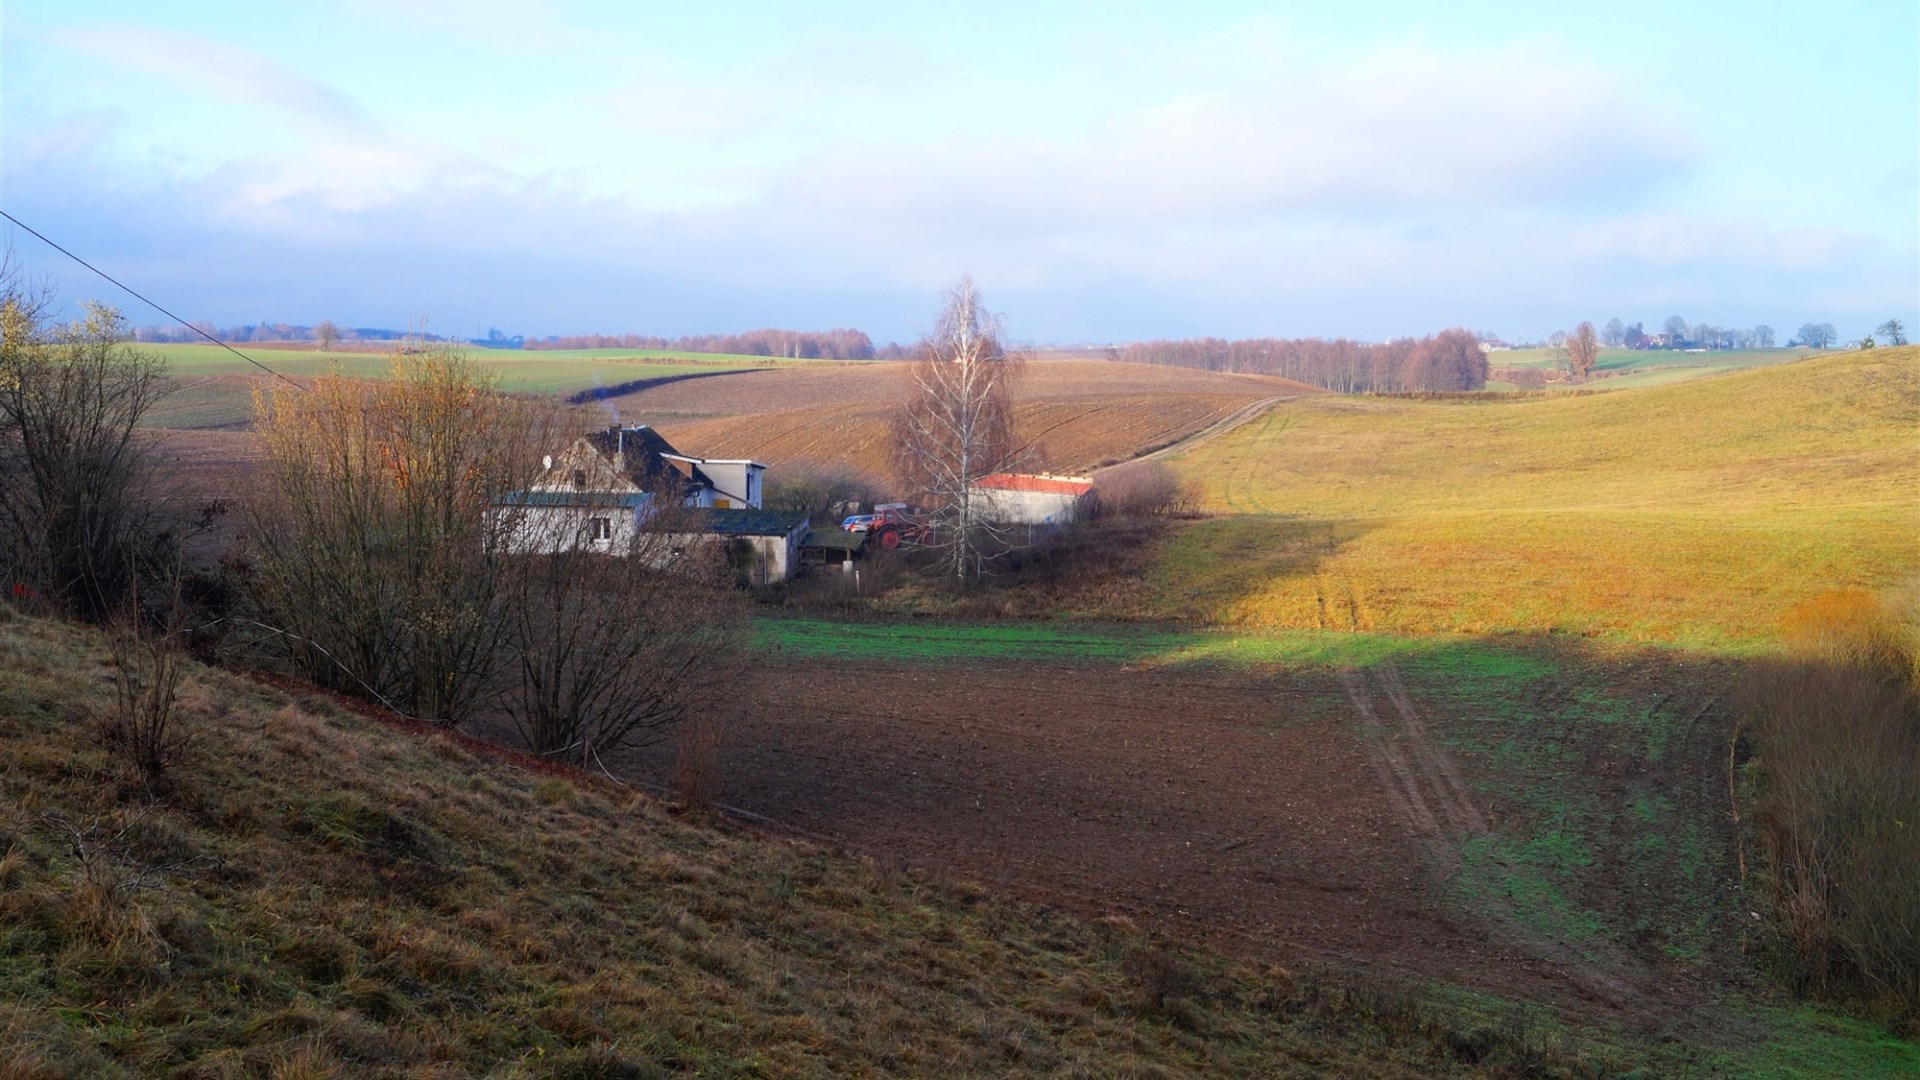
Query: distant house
[(1033, 499), (602, 488)]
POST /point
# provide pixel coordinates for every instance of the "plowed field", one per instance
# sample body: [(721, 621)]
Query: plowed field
[(1076, 414), (1411, 810)]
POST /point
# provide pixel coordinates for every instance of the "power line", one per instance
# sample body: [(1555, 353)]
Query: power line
[(130, 292)]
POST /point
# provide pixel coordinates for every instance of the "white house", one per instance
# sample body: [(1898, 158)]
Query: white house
[(549, 521), (1023, 499)]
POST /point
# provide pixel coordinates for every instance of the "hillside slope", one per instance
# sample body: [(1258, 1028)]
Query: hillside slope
[(1695, 512), (327, 895)]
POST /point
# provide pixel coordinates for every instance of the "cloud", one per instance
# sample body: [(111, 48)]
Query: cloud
[(1399, 129), (214, 68)]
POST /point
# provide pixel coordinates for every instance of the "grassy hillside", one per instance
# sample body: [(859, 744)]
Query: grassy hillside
[(326, 895), (1697, 512)]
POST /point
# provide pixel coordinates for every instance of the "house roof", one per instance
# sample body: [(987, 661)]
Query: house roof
[(1052, 485), (646, 456), (753, 522), (627, 499)]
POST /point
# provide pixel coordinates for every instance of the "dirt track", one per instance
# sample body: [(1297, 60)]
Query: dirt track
[(1246, 810)]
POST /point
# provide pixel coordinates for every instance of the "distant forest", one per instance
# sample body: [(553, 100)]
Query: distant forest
[(1448, 361), (837, 344)]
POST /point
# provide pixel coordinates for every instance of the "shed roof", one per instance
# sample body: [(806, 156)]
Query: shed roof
[(1053, 485), (754, 522)]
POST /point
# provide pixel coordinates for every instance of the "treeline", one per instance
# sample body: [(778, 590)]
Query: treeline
[(1448, 361), (264, 331), (837, 344)]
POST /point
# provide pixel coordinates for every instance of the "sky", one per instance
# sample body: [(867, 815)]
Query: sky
[(1105, 172)]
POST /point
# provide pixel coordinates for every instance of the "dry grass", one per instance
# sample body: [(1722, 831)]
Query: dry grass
[(326, 895), (1836, 800), (1698, 512)]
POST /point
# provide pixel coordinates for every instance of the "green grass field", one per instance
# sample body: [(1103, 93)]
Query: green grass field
[(216, 387), (1628, 369), (1695, 513)]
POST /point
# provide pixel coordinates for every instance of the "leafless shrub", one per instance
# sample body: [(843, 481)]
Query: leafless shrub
[(1142, 489), (145, 725), (371, 547), (1836, 806), (77, 518), (606, 650)]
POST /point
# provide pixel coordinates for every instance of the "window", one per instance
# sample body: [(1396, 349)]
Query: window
[(600, 528), (579, 479)]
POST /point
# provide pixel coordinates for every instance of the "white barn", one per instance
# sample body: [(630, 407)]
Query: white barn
[(1032, 499)]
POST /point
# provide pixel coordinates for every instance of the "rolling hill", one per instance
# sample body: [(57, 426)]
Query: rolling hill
[(1696, 512)]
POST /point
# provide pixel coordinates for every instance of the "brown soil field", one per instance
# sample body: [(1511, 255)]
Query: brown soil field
[(1075, 414), (1296, 815)]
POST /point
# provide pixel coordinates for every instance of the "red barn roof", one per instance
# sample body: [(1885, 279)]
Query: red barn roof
[(1053, 485)]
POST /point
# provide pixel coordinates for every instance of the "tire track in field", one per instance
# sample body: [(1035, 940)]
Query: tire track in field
[(1423, 784)]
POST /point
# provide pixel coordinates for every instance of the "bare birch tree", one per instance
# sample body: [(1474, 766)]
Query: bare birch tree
[(956, 426)]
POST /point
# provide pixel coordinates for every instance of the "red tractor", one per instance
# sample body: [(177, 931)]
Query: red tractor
[(890, 525)]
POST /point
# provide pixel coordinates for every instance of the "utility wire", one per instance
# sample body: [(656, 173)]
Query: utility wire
[(130, 291)]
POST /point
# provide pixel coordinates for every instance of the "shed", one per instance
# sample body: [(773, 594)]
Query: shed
[(1033, 498), (767, 542)]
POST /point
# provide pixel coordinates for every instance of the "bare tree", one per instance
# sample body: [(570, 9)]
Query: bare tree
[(77, 517), (372, 547), (1894, 331), (956, 426), (326, 335), (614, 649), (1818, 335), (1583, 352), (1676, 330), (1615, 334), (1763, 336)]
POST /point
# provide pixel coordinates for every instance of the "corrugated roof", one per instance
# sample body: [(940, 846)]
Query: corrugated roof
[(1053, 485), (627, 499), (753, 522)]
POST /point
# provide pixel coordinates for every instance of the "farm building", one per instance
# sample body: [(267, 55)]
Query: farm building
[(1028, 499), (832, 547), (763, 544)]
